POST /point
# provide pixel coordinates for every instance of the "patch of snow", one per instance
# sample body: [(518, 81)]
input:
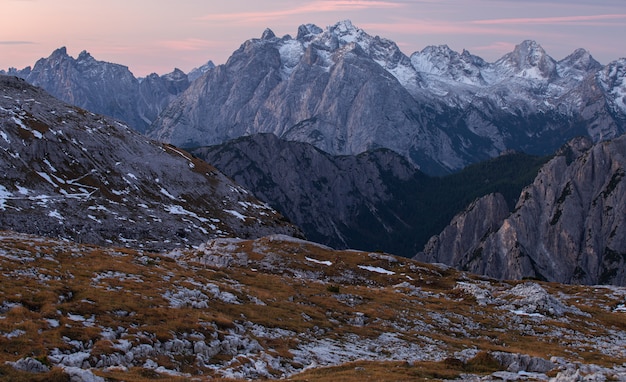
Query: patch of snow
[(175, 209), (166, 193), (377, 269), (236, 214), (290, 53), (5, 137), (319, 261), (55, 214), (47, 178), (52, 168), (14, 334), (94, 219), (523, 313), (21, 124), (4, 195)]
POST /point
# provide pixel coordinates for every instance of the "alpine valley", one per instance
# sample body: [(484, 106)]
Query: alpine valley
[(366, 215)]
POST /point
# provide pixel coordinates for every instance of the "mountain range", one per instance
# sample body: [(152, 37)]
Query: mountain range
[(107, 88), (375, 124), (376, 200), (127, 258), (347, 92)]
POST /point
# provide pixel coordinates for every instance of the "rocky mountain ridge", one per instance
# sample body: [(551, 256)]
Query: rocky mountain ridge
[(107, 88), (347, 92), (376, 200), (76, 175), (568, 225)]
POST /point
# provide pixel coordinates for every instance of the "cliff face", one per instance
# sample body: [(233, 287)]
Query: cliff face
[(568, 225), (459, 239), (104, 87)]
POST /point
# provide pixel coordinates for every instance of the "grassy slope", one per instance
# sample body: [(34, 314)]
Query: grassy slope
[(44, 281)]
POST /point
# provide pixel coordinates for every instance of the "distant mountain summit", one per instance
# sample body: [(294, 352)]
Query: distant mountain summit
[(347, 92), (105, 88), (75, 175)]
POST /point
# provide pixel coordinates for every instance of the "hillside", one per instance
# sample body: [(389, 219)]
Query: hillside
[(279, 307), (376, 200), (72, 174)]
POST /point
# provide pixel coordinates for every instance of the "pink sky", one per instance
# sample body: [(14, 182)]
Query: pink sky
[(158, 35)]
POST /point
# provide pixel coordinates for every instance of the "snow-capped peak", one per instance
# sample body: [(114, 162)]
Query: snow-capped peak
[(529, 60), (444, 62)]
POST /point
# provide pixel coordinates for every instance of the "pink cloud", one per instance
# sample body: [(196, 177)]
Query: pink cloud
[(317, 6), (190, 44), (425, 27), (588, 20)]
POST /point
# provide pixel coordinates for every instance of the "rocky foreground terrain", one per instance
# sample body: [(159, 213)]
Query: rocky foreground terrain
[(278, 307)]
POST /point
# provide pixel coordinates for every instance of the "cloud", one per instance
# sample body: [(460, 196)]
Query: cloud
[(16, 42), (190, 44), (428, 27), (317, 6), (570, 20)]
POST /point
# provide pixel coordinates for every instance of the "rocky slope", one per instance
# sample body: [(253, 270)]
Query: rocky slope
[(97, 314), (347, 92), (372, 201), (568, 225), (106, 88), (72, 174), (344, 202)]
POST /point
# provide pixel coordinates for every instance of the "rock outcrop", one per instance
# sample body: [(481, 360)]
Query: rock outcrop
[(568, 226)]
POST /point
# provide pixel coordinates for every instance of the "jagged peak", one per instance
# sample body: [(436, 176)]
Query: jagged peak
[(62, 51), (345, 25), (268, 34), (305, 30), (580, 59), (176, 74), (530, 60), (438, 50), (531, 51), (84, 56)]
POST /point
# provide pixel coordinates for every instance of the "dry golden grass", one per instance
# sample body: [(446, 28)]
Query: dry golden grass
[(277, 288)]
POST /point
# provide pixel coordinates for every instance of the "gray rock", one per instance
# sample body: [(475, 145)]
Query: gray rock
[(105, 88), (568, 226), (29, 365)]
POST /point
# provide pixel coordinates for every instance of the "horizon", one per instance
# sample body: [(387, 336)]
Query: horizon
[(154, 37)]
